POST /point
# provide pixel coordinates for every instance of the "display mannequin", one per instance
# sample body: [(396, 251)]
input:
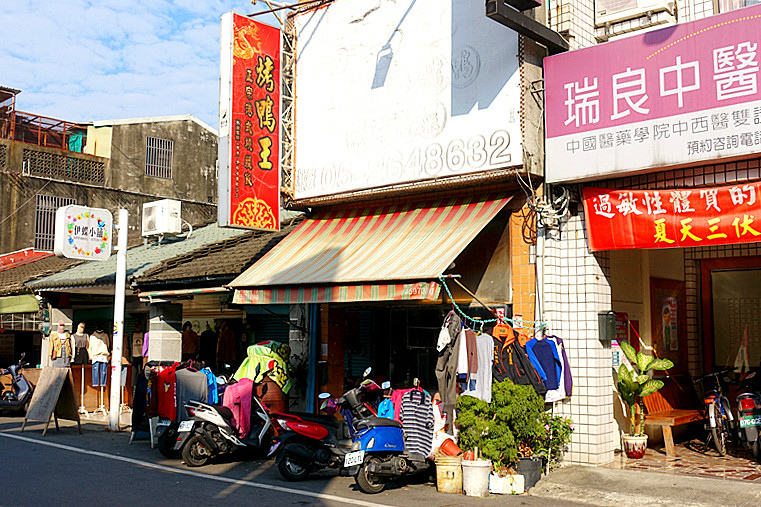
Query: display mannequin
[(98, 350), (81, 340), (61, 347)]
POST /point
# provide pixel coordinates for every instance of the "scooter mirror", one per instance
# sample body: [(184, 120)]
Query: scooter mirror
[(323, 396), (367, 372), (23, 355)]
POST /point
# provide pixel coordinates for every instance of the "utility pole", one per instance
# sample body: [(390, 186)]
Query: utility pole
[(114, 409)]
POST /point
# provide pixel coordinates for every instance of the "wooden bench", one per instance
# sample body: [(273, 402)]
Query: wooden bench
[(673, 405)]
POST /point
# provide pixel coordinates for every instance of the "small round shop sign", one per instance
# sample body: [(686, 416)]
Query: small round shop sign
[(83, 233)]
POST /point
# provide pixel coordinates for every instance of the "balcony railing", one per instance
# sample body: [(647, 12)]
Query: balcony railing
[(43, 131)]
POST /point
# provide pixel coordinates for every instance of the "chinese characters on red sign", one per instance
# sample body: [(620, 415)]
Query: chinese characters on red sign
[(621, 219), (255, 126)]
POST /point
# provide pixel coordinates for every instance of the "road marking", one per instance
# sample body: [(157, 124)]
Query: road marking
[(239, 482)]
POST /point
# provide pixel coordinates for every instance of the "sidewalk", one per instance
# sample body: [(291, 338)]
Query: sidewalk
[(609, 486)]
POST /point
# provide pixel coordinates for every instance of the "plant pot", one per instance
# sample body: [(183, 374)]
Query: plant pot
[(449, 448), (507, 485), (530, 469), (634, 447)]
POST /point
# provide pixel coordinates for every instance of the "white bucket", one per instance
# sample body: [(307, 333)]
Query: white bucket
[(475, 477)]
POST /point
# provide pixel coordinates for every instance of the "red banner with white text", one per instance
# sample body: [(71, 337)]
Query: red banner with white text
[(674, 218)]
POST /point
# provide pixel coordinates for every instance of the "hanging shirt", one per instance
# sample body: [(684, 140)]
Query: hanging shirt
[(166, 393), (191, 386), (511, 361), (237, 398), (482, 387), (417, 418), (567, 377), (559, 393), (544, 356), (386, 409), (211, 384)]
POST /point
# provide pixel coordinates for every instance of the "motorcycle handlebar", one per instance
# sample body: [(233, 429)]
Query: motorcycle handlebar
[(716, 373)]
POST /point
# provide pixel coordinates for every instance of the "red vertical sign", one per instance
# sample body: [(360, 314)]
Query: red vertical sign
[(251, 128)]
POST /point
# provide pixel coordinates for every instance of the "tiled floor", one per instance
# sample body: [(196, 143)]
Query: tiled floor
[(693, 458)]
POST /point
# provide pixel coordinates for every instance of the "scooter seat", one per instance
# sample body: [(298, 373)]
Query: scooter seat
[(225, 412), (328, 420), (375, 422)]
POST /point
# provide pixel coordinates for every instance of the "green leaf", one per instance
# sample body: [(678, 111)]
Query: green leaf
[(661, 364), (641, 379), (650, 387), (643, 361), (624, 373), (629, 396), (628, 351)]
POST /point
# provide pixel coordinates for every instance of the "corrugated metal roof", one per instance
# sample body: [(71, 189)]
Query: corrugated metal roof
[(412, 241), (139, 259)]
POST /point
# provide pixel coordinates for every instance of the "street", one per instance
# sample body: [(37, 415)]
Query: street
[(98, 466)]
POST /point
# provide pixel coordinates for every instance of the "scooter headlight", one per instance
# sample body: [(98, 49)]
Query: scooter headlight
[(371, 443), (356, 446)]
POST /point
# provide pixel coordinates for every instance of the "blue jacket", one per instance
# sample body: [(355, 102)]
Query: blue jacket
[(543, 354)]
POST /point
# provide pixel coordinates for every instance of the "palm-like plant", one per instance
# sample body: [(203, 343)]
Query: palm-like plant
[(635, 384)]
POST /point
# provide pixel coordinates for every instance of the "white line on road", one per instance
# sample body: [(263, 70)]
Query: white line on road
[(271, 487)]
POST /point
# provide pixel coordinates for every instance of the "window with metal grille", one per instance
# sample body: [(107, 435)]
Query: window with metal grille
[(158, 157), (44, 223)]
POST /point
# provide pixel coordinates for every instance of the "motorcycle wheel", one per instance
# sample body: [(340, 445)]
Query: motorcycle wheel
[(366, 482), (166, 442), (195, 453), (755, 449), (292, 471)]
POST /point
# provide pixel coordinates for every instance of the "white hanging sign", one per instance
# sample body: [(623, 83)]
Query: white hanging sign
[(83, 233)]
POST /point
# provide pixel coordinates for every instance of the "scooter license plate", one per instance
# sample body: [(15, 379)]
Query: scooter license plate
[(185, 426), (750, 420), (354, 458)]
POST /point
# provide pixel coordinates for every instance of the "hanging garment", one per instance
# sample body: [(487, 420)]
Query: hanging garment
[(462, 356), (446, 376), (511, 362), (559, 393), (167, 392), (211, 383), (567, 378), (191, 386), (98, 347), (449, 330), (139, 403), (481, 388), (262, 359), (417, 418), (146, 337), (152, 399), (237, 398), (544, 356), (386, 409), (349, 418), (80, 348)]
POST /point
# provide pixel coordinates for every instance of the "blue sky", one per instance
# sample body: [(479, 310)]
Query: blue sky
[(82, 60)]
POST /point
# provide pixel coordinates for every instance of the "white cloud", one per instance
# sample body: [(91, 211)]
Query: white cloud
[(82, 60)]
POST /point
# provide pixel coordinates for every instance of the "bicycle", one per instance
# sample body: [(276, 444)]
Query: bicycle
[(721, 421)]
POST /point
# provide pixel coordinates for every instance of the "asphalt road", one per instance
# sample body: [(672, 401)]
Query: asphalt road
[(98, 466)]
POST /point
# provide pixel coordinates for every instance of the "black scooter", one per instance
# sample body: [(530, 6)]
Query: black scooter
[(749, 413), (18, 397)]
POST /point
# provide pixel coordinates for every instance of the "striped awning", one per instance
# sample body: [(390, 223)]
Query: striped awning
[(372, 254)]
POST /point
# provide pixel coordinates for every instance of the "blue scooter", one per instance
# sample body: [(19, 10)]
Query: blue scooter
[(378, 452)]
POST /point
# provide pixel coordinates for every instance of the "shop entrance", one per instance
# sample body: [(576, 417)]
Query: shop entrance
[(731, 293)]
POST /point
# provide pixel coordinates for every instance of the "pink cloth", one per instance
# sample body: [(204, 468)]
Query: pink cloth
[(396, 399), (238, 399)]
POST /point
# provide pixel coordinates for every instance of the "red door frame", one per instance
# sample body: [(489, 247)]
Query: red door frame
[(706, 266)]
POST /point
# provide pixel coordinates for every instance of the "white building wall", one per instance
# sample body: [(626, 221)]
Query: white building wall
[(577, 288)]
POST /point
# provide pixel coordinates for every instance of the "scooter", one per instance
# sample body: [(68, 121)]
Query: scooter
[(749, 413), (309, 442), (18, 397), (210, 432), (378, 454)]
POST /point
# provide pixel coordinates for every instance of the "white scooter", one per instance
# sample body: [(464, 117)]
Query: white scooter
[(210, 432)]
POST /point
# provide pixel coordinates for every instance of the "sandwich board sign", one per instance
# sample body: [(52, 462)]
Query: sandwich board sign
[(83, 233)]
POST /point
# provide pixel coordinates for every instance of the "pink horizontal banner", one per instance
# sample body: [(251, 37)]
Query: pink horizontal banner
[(685, 68)]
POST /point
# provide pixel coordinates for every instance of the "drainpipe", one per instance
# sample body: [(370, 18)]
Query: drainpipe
[(314, 339)]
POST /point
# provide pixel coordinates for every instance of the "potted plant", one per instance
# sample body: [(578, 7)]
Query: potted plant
[(633, 385), (507, 430)]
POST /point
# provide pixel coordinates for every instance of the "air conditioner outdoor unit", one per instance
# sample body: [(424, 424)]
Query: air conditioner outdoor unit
[(161, 217), (612, 11)]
